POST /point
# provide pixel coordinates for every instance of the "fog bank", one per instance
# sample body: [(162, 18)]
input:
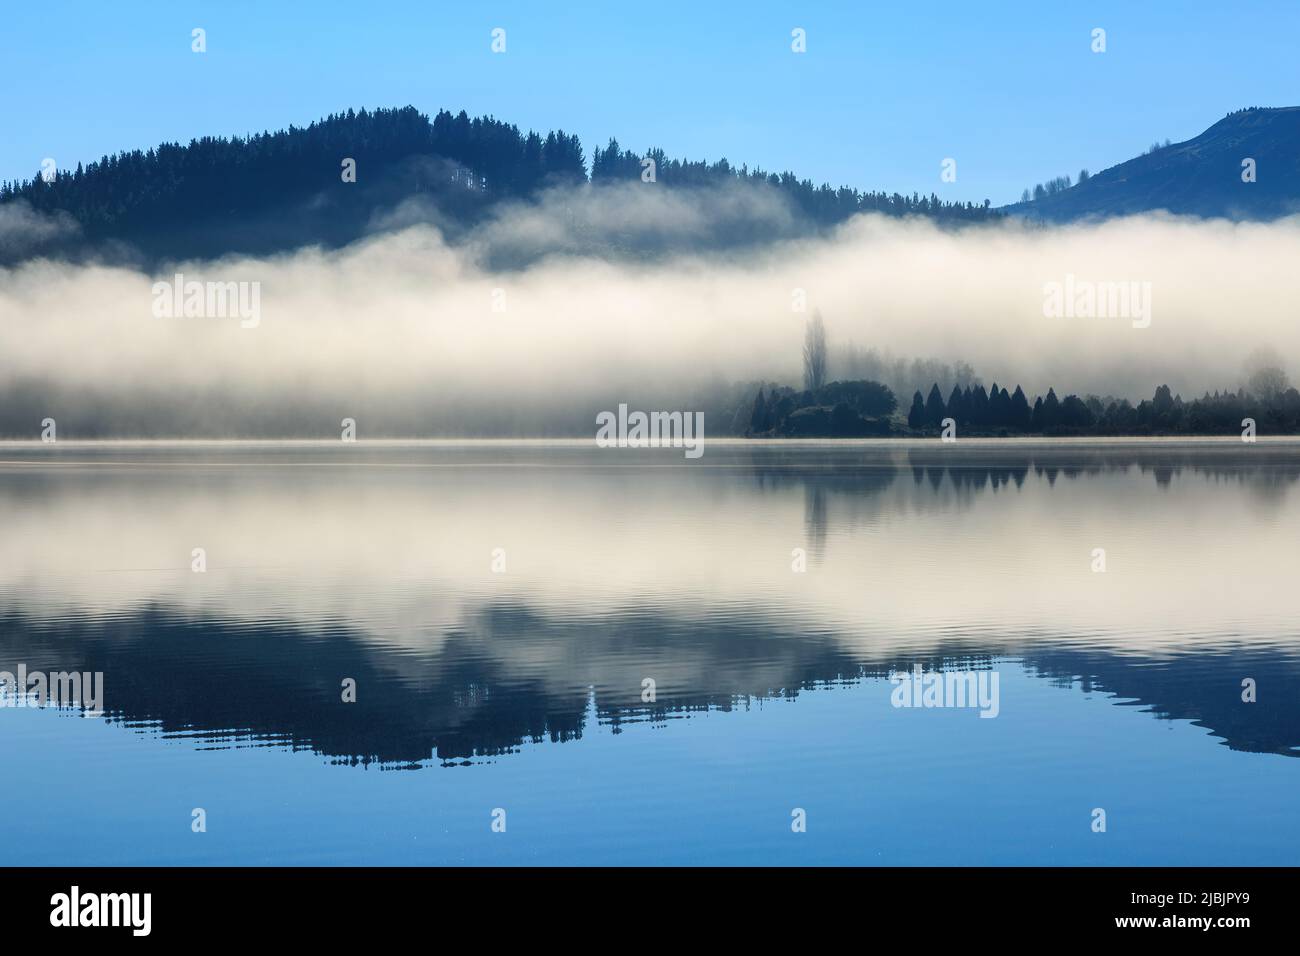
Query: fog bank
[(411, 333)]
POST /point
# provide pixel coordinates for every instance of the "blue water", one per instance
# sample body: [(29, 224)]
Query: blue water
[(521, 689)]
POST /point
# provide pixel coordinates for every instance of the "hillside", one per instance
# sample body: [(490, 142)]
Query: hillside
[(276, 191), (1200, 177)]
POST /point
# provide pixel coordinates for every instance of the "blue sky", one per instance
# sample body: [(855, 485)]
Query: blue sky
[(884, 93)]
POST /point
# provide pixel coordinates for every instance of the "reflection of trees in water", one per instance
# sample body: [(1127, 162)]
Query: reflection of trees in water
[(1265, 471), (1204, 688), (967, 483), (863, 470), (848, 485), (815, 519), (511, 674), (508, 675), (1255, 466), (851, 476)]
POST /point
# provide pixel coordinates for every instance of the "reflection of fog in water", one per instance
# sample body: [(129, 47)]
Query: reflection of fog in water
[(374, 562), (815, 518)]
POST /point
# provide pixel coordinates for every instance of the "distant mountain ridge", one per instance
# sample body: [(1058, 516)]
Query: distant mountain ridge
[(277, 191), (1199, 177)]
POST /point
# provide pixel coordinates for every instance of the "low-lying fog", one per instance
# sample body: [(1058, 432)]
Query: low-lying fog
[(410, 333)]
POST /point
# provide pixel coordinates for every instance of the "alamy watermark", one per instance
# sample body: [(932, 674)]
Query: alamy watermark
[(651, 430), (25, 688), (75, 908), (191, 299), (1083, 299), (919, 688)]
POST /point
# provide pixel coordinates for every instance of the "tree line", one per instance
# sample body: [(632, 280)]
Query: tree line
[(1058, 184), (494, 160), (824, 204), (861, 408), (999, 412), (142, 188)]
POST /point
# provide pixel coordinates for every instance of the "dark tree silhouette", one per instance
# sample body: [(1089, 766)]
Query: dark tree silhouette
[(1020, 413), (814, 354), (979, 407), (957, 406), (1051, 411), (758, 419), (196, 199), (916, 414), (934, 407)]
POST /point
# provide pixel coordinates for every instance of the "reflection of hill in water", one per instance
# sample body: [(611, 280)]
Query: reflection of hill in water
[(513, 676), (509, 677), (1204, 688), (701, 603)]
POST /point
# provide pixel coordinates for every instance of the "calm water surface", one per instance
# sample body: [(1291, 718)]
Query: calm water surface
[(501, 607)]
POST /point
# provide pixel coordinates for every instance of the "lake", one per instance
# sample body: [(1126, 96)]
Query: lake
[(547, 652)]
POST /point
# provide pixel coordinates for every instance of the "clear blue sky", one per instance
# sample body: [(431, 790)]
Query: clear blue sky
[(885, 92)]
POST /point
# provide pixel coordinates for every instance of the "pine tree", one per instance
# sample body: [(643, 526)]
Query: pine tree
[(934, 408), (978, 408), (1051, 410), (995, 416), (957, 407), (1020, 414), (814, 354), (758, 418), (916, 414)]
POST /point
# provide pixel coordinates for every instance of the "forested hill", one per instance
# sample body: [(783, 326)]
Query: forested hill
[(275, 191), (1244, 167)]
